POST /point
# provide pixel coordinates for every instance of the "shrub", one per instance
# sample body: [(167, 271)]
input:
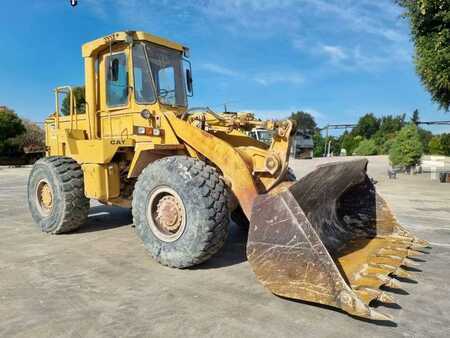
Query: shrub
[(366, 148), (407, 148)]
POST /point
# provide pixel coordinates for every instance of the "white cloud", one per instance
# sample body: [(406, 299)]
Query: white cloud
[(264, 79), (218, 69), (267, 79), (372, 31), (335, 53)]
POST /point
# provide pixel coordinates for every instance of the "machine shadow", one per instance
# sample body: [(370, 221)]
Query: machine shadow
[(232, 253), (386, 323), (104, 217)]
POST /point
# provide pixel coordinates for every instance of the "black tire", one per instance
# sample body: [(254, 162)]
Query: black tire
[(203, 196), (239, 218), (69, 206)]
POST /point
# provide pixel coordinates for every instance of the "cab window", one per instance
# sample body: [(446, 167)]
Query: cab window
[(117, 80)]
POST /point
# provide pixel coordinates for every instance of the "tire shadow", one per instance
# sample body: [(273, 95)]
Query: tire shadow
[(232, 253), (105, 217)]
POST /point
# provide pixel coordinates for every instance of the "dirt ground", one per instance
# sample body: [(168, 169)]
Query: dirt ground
[(99, 281)]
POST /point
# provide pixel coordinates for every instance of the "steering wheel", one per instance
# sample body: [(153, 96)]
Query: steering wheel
[(165, 92)]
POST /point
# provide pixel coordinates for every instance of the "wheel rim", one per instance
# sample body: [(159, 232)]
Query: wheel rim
[(166, 214), (44, 197)]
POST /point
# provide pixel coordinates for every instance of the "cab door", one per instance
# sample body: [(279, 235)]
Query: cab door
[(114, 94)]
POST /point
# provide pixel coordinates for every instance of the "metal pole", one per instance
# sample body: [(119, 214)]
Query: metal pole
[(326, 141)]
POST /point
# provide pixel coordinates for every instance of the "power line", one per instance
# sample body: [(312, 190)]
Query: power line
[(430, 123)]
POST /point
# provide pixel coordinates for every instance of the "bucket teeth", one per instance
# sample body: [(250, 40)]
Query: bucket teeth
[(388, 281), (392, 283), (385, 298), (411, 240), (382, 280), (399, 272), (421, 242), (418, 248), (399, 251), (376, 315), (409, 263), (393, 270), (368, 294)]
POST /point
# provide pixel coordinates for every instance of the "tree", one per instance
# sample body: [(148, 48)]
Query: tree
[(430, 31), (391, 124), (445, 144), (33, 138), (80, 101), (386, 147), (366, 148), (349, 142), (10, 126), (415, 118), (305, 121), (407, 148), (319, 144), (435, 147), (367, 126), (425, 137)]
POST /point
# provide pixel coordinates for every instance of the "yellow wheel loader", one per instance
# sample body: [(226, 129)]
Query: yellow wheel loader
[(328, 238)]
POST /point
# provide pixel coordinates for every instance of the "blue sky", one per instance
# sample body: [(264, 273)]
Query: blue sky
[(336, 59)]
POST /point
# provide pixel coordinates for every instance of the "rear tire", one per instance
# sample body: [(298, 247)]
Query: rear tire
[(56, 195), (180, 211)]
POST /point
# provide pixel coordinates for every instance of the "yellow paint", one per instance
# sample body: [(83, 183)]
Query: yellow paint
[(101, 181), (104, 138)]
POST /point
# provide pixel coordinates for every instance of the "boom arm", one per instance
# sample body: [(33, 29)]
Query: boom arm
[(249, 170)]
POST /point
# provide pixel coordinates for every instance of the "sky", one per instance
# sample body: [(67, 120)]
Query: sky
[(336, 59)]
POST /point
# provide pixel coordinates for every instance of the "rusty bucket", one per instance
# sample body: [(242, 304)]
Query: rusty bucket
[(329, 238)]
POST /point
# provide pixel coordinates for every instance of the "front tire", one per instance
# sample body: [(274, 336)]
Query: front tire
[(180, 211), (56, 195)]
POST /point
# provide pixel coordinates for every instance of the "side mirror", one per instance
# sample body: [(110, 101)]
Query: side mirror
[(114, 70), (190, 87)]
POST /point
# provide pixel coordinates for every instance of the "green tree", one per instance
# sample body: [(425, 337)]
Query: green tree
[(367, 126), (80, 101), (415, 118), (407, 148), (386, 147), (349, 142), (391, 124), (10, 126), (435, 147), (319, 144), (445, 144), (425, 137), (305, 121), (366, 148), (430, 31)]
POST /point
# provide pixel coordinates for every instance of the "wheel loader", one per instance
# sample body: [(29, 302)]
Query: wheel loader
[(327, 238)]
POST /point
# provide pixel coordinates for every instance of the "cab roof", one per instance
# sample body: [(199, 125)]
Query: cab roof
[(92, 47)]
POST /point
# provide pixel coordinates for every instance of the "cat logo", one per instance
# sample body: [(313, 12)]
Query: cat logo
[(117, 142)]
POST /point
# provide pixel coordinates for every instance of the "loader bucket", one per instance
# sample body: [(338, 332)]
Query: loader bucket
[(329, 238)]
